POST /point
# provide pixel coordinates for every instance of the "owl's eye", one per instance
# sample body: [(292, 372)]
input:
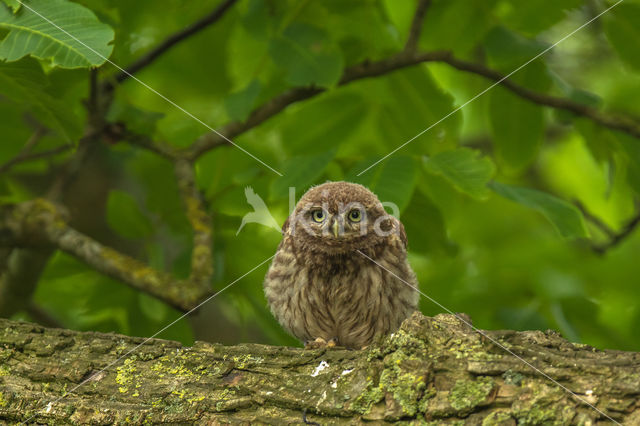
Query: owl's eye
[(355, 215), (318, 216)]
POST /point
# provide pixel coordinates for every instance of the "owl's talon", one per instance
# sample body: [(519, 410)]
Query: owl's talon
[(320, 343)]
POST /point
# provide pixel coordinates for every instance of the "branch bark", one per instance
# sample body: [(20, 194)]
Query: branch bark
[(399, 61), (614, 238), (432, 369), (202, 254), (416, 25), (168, 43), (40, 224)]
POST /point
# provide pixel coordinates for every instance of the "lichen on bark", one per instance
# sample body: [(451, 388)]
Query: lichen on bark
[(431, 371)]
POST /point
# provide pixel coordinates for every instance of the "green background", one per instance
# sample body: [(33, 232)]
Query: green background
[(488, 196)]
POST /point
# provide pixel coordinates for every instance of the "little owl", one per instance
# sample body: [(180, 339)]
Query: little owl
[(323, 285)]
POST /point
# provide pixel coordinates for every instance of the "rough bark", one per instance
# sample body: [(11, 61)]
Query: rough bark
[(433, 370)]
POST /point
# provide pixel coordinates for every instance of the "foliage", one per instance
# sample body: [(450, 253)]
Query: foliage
[(492, 196)]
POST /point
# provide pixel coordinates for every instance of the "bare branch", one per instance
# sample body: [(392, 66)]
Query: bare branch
[(606, 229), (201, 256), (23, 158), (26, 155), (115, 132), (614, 238), (169, 42), (396, 62), (416, 25), (617, 238), (39, 223)]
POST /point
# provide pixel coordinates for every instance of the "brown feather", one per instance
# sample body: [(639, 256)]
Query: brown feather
[(319, 285)]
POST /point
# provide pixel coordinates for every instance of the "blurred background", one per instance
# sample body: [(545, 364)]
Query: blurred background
[(520, 215)]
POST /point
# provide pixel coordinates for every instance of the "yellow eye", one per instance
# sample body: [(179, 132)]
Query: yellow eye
[(318, 216), (355, 215)]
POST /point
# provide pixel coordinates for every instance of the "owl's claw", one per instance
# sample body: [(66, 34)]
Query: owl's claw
[(320, 343)]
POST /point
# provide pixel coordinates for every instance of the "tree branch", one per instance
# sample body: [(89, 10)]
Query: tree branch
[(201, 256), (39, 223), (618, 237), (168, 43), (416, 25), (433, 370), (24, 157), (115, 132), (606, 229), (613, 238), (396, 62)]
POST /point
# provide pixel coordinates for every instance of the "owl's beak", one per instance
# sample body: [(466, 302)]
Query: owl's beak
[(334, 228)]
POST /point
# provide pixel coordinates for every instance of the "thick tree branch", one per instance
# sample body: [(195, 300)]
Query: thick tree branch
[(169, 42), (432, 370), (201, 256), (416, 25), (39, 223), (399, 61)]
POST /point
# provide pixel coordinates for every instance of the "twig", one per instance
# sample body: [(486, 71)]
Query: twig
[(416, 25), (396, 62), (26, 154), (619, 237), (169, 42), (606, 229), (114, 132), (201, 256)]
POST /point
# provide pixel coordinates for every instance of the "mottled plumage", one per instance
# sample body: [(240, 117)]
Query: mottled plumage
[(320, 286)]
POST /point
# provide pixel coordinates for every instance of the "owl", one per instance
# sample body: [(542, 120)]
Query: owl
[(337, 277)]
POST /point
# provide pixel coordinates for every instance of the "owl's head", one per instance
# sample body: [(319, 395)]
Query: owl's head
[(337, 217)]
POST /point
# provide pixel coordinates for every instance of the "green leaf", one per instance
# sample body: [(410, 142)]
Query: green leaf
[(308, 55), (534, 16), (508, 50), (23, 82), (240, 104), (456, 25), (14, 5), (125, 217), (465, 169), (622, 27), (396, 180), (517, 125), (411, 101), (566, 218), (60, 32), (425, 227), (300, 172), (631, 149), (304, 133)]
